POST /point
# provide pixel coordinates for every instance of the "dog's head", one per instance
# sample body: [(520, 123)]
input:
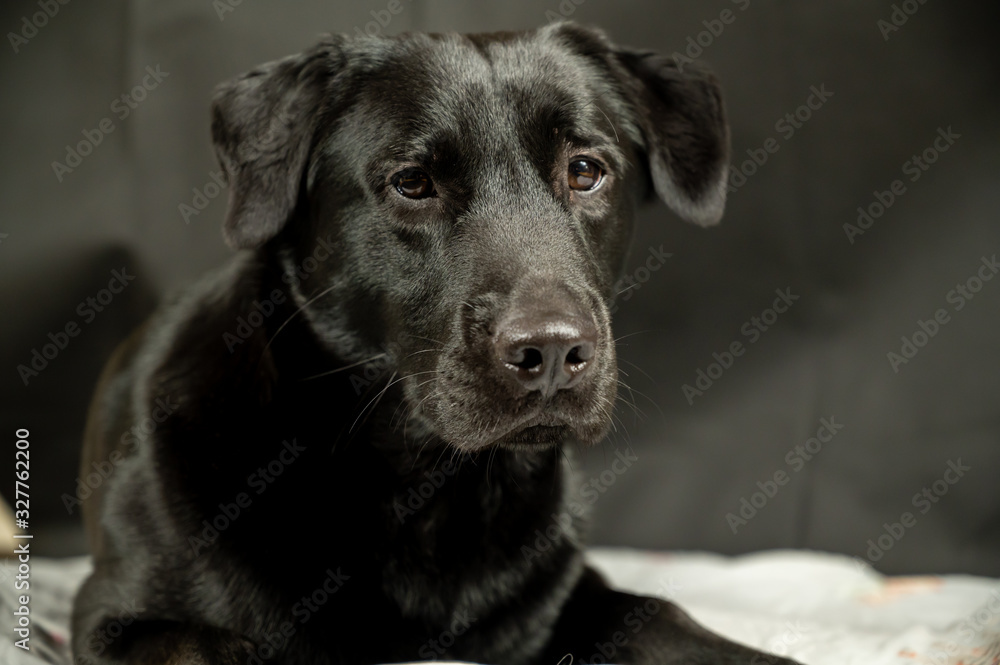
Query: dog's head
[(463, 203)]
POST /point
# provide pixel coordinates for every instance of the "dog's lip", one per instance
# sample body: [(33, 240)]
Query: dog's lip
[(537, 419), (541, 420)]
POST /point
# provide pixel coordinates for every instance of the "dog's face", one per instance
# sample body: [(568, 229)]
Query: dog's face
[(474, 194)]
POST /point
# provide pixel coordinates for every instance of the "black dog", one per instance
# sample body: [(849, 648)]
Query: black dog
[(455, 210)]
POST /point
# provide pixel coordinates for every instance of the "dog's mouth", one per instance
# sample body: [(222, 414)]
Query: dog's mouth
[(540, 430), (543, 431), (544, 424)]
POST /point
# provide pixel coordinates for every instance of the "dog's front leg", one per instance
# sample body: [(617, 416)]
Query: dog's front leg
[(601, 625), (168, 643)]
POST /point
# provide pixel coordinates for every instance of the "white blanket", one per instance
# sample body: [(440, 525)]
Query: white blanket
[(823, 609), (819, 609)]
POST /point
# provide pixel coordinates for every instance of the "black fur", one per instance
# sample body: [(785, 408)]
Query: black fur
[(259, 369)]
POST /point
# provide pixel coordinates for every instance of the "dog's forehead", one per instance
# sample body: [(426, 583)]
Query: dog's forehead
[(486, 84), (498, 62)]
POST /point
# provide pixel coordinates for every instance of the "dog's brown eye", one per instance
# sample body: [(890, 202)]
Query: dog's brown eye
[(584, 174), (413, 183)]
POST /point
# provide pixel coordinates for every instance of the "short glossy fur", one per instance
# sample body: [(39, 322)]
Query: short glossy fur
[(269, 514)]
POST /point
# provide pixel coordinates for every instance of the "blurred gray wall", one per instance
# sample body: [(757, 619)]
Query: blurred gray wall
[(732, 469)]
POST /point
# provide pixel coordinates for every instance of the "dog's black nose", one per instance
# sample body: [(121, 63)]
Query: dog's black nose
[(548, 353)]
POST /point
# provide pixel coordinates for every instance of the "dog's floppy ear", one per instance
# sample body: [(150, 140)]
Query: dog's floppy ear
[(262, 126), (683, 122)]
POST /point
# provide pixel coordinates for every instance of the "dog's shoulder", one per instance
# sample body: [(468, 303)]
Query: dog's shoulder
[(200, 339)]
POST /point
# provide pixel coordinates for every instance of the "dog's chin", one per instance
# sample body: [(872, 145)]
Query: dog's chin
[(537, 433), (534, 437)]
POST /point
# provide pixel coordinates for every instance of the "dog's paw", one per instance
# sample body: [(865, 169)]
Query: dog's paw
[(750, 657)]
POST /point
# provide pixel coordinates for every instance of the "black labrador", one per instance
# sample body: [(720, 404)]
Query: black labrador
[(341, 447)]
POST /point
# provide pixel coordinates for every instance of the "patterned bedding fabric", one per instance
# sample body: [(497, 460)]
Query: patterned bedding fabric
[(819, 609)]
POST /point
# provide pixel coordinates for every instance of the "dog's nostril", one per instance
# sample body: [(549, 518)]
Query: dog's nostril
[(526, 357), (580, 354)]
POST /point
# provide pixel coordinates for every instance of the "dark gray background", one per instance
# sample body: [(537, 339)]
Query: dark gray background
[(783, 229)]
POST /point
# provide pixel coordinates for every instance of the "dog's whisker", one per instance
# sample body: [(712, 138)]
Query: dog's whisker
[(629, 402), (639, 332), (403, 378), (345, 368), (296, 313), (593, 102), (614, 418), (638, 392), (489, 463), (609, 412), (635, 391), (561, 452), (613, 128), (641, 370), (428, 339), (420, 450), (374, 401), (444, 449), (416, 410), (410, 376), (632, 286), (637, 413), (415, 353), (409, 413), (424, 383)]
